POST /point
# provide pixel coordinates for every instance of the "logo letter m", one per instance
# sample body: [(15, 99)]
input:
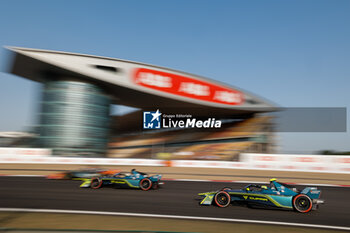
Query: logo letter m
[(149, 125)]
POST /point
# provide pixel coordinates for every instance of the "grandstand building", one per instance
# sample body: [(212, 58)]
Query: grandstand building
[(78, 91), (16, 139)]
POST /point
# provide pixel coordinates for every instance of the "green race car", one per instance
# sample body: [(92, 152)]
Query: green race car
[(277, 195), (134, 179)]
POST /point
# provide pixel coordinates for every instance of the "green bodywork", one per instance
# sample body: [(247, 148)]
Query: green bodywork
[(266, 199)]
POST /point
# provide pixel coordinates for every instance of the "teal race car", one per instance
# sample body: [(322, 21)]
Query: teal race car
[(134, 179), (275, 195)]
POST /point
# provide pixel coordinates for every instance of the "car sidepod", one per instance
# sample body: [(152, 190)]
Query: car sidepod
[(262, 199)]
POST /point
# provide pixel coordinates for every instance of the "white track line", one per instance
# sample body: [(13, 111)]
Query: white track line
[(172, 217)]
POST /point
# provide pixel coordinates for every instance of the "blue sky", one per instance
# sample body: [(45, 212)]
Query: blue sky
[(295, 53)]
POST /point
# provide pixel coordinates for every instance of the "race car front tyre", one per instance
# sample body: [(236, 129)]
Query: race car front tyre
[(302, 203), (96, 183), (145, 184), (222, 199)]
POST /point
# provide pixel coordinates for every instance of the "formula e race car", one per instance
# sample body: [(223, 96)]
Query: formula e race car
[(276, 194), (83, 173), (135, 179)]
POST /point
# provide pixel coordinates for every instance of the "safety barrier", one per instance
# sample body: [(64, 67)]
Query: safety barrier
[(309, 163), (278, 162), (24, 152)]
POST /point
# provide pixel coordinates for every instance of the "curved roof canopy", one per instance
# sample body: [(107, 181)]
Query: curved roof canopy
[(137, 84)]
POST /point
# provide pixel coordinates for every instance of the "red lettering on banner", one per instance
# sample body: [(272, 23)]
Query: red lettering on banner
[(305, 159), (38, 160), (318, 168), (10, 159), (42, 152), (236, 165), (262, 166), (28, 152), (187, 87), (266, 158), (289, 167), (345, 160), (66, 160)]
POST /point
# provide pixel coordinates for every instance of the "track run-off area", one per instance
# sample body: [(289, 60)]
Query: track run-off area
[(175, 198)]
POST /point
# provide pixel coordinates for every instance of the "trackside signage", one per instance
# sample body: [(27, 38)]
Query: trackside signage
[(186, 87)]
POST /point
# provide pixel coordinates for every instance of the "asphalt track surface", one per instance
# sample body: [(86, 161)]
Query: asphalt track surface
[(175, 198)]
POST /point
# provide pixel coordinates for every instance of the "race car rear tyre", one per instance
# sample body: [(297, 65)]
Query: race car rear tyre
[(222, 199), (302, 203), (225, 188), (96, 183), (145, 184)]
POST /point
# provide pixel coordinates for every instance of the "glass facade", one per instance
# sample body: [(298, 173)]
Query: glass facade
[(74, 119)]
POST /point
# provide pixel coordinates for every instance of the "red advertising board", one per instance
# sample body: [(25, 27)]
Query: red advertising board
[(186, 86)]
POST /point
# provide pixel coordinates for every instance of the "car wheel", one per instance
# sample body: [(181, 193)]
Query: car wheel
[(225, 188), (96, 183), (145, 184), (302, 203), (222, 199)]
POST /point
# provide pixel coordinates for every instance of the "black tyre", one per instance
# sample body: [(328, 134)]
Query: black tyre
[(96, 183), (222, 199), (302, 203), (145, 184), (225, 188)]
